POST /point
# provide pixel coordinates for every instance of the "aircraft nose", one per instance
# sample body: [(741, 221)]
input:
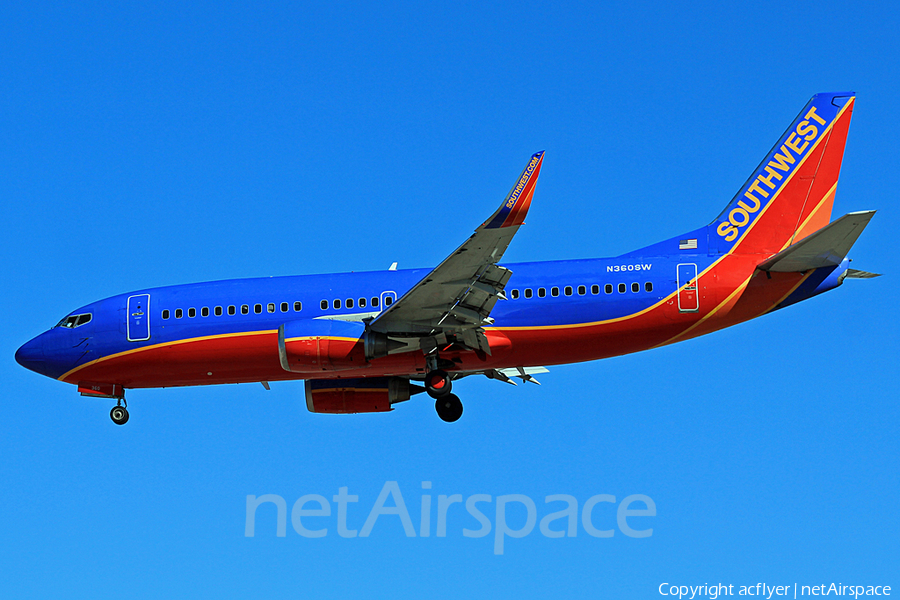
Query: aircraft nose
[(31, 355)]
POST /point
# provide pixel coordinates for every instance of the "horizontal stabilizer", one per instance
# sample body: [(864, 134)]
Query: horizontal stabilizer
[(857, 274), (825, 248)]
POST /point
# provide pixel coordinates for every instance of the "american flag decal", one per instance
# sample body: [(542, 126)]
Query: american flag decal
[(687, 244)]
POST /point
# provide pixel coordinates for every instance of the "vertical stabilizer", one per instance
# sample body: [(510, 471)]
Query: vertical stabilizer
[(790, 194)]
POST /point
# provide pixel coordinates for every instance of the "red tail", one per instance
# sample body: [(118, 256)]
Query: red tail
[(791, 193)]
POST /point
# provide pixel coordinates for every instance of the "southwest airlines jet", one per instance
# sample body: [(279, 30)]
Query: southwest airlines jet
[(361, 340)]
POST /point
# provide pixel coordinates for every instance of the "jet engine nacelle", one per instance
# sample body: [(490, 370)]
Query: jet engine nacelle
[(378, 345), (316, 345), (342, 396)]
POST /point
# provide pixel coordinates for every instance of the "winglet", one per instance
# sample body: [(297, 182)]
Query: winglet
[(515, 206)]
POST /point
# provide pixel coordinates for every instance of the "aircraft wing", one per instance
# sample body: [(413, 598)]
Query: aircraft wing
[(456, 298)]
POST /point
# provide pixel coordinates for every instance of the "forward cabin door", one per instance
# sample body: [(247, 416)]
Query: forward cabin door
[(688, 298), (138, 318)]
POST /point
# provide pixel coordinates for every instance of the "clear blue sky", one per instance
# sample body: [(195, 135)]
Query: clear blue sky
[(146, 145)]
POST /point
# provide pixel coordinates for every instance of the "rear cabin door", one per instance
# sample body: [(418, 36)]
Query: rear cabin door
[(688, 298), (138, 318)]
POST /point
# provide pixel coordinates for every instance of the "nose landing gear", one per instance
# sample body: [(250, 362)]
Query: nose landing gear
[(115, 391), (119, 413)]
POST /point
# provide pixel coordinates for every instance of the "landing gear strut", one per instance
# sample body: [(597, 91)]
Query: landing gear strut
[(119, 413)]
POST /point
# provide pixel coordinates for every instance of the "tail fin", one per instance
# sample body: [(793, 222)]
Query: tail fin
[(790, 194)]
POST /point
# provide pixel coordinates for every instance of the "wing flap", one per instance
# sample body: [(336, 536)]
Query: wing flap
[(523, 373)]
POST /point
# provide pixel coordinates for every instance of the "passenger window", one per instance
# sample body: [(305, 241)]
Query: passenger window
[(514, 294), (323, 304), (192, 312), (375, 302), (568, 290), (257, 308), (362, 302), (554, 291), (271, 307), (541, 292), (204, 312), (231, 309), (245, 310), (582, 290), (165, 314), (218, 311), (298, 306), (336, 304), (388, 300), (284, 306), (608, 288), (648, 286), (595, 289), (528, 292), (622, 288), (178, 313), (635, 287), (349, 302)]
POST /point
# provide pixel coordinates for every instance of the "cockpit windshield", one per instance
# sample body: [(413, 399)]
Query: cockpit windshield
[(73, 321)]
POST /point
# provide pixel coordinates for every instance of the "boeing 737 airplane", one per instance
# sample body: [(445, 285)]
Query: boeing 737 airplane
[(360, 340)]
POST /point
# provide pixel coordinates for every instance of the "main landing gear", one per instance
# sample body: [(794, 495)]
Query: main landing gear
[(119, 413), (438, 385), (449, 408)]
